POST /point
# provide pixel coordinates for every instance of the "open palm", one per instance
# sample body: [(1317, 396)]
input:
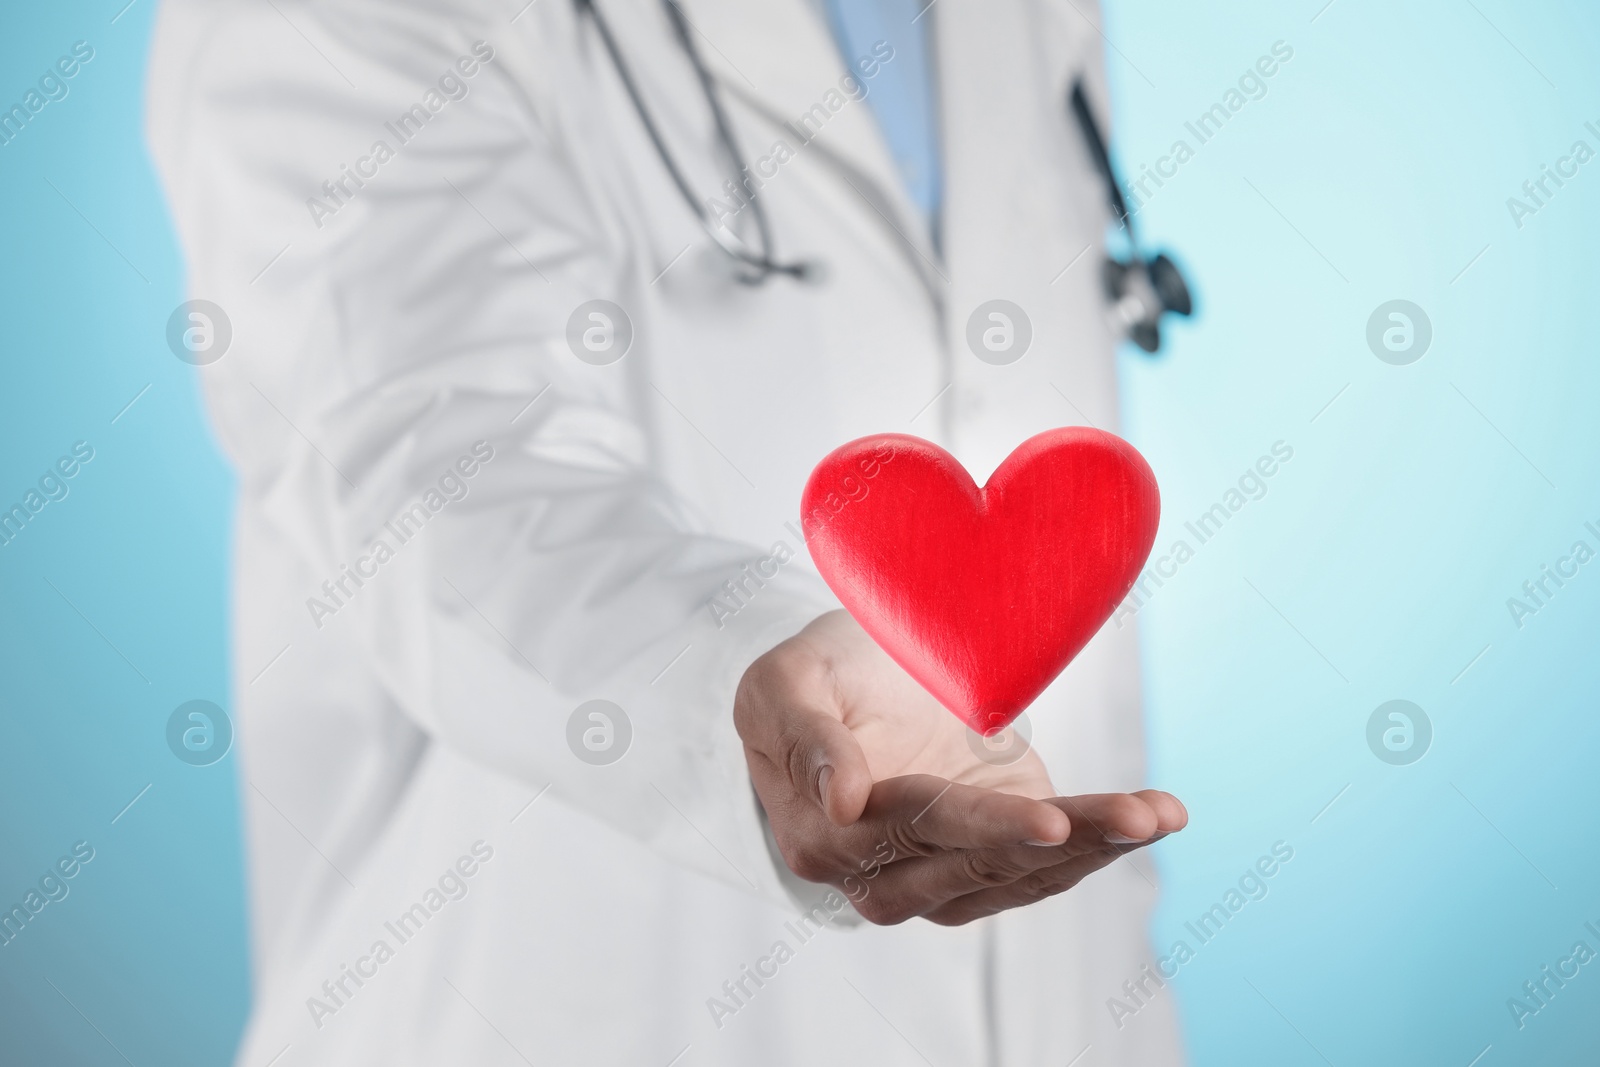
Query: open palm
[(902, 729), (871, 786)]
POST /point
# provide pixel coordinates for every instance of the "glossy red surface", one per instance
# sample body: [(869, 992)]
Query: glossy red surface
[(983, 595)]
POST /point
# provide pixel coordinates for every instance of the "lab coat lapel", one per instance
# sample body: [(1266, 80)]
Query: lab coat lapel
[(777, 59), (1024, 219), (1017, 191)]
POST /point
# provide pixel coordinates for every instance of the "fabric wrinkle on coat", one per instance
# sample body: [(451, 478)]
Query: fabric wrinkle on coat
[(419, 718)]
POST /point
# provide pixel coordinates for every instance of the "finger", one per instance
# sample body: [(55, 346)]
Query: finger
[(1114, 822), (1106, 822), (791, 721), (1125, 818), (1171, 815), (907, 817), (939, 840), (920, 885), (1029, 889), (1109, 822), (949, 851), (924, 813)]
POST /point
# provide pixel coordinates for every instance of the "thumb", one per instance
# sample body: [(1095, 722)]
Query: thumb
[(827, 766), (785, 710)]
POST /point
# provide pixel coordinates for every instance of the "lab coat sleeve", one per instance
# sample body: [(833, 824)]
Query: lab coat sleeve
[(402, 402)]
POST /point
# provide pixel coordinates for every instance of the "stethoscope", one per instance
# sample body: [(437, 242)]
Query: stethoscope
[(1139, 289)]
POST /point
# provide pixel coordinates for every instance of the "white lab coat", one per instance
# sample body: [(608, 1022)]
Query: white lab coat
[(412, 719)]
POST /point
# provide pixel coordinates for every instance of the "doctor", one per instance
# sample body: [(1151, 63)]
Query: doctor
[(553, 748)]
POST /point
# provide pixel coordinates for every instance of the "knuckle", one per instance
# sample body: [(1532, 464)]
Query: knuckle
[(879, 910), (771, 710), (954, 915), (744, 710), (871, 909), (805, 862), (792, 667), (901, 839), (988, 869), (756, 676), (1042, 884), (752, 698), (797, 755)]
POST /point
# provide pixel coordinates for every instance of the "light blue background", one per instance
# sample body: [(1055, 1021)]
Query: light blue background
[(1384, 552), (1414, 906), (149, 945)]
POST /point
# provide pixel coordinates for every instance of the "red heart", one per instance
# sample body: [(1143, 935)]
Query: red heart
[(982, 595)]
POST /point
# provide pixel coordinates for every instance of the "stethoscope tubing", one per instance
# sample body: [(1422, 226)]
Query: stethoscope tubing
[(760, 262), (1140, 289)]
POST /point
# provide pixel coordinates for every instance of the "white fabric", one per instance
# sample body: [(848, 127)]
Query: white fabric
[(430, 313)]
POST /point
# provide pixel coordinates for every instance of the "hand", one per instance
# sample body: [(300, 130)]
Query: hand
[(871, 787)]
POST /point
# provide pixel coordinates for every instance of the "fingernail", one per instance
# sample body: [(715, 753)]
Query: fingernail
[(1118, 839), (823, 778), (1045, 844)]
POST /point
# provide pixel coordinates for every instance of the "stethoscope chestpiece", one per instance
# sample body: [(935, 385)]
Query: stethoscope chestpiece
[(1140, 291)]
